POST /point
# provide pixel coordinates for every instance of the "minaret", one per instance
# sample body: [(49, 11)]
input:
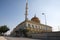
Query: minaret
[(26, 12), (35, 15)]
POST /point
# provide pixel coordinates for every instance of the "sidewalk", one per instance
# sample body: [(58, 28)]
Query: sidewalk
[(15, 38), (2, 38)]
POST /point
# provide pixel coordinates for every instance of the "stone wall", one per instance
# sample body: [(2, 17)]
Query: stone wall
[(47, 36)]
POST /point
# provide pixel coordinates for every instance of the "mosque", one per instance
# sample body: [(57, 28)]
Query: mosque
[(34, 25)]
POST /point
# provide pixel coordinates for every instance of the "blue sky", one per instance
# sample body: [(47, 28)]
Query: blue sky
[(12, 12)]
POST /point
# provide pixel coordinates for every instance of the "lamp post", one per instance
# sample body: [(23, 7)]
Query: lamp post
[(58, 28), (45, 23), (45, 18)]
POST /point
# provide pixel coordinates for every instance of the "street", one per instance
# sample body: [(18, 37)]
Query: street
[(15, 38)]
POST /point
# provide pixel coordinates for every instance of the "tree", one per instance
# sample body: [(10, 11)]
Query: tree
[(3, 29), (24, 31)]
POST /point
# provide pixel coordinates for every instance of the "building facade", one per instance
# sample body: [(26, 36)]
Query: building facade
[(34, 25)]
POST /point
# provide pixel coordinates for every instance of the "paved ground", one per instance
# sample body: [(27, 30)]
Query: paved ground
[(16, 38), (2, 38)]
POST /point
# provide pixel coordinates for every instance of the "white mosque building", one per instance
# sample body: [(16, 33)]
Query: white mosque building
[(34, 25)]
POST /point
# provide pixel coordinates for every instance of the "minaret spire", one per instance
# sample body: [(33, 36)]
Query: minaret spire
[(26, 12), (35, 15)]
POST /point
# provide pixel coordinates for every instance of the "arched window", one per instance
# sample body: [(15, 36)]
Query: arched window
[(36, 26), (40, 27), (28, 25), (32, 26)]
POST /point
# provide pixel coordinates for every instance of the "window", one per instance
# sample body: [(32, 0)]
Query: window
[(40, 27), (36, 26), (32, 26), (29, 25)]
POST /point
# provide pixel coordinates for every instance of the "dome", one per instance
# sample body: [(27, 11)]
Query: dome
[(35, 19)]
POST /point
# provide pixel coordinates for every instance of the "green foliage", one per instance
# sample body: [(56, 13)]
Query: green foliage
[(3, 29), (24, 31)]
